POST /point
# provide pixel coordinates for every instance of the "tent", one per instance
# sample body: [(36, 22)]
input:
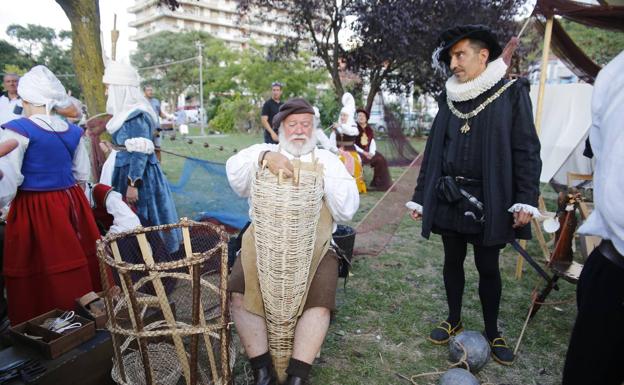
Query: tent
[(566, 118)]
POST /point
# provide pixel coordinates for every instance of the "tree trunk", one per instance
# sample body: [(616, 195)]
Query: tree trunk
[(84, 16), (375, 86)]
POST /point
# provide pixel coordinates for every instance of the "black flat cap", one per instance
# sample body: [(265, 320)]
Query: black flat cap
[(451, 36)]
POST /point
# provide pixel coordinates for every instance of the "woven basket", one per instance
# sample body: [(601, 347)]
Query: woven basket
[(178, 333), (285, 215)]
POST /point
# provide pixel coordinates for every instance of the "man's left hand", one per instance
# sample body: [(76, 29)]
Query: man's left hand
[(521, 218)]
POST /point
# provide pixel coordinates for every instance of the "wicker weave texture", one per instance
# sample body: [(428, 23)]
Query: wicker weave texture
[(285, 215), (168, 320)]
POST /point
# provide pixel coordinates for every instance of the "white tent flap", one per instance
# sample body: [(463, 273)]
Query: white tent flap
[(566, 119)]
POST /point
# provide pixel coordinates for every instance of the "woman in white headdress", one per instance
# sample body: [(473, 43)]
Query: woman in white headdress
[(136, 174), (50, 256), (344, 135)]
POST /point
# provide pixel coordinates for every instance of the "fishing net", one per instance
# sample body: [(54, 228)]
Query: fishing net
[(202, 192), (396, 148)]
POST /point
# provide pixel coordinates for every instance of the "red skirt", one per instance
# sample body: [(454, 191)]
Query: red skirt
[(49, 252)]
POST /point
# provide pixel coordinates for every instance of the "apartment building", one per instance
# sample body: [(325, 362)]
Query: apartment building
[(220, 18)]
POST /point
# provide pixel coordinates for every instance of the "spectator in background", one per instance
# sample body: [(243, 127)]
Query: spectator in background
[(10, 102), (269, 110), (148, 90)]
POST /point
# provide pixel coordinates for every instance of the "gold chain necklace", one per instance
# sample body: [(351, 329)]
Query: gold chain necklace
[(465, 128)]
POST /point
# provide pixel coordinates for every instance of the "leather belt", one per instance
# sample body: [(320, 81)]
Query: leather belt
[(609, 251), (463, 181)]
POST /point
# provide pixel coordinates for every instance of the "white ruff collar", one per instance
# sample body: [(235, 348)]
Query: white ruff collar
[(460, 92)]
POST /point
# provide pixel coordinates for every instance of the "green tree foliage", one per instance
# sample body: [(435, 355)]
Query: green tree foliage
[(42, 45), (600, 45), (236, 83)]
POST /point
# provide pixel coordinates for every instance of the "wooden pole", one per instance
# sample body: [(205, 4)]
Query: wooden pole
[(114, 38), (540, 105), (543, 74)]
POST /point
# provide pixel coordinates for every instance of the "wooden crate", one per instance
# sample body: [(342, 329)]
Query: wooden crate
[(52, 345)]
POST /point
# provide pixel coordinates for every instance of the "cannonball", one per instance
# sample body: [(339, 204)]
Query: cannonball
[(458, 376), (476, 346)]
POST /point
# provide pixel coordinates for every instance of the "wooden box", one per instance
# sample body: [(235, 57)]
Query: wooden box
[(100, 321), (52, 344)]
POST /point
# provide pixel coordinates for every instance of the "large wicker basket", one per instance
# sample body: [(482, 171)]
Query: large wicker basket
[(285, 214), (168, 320)]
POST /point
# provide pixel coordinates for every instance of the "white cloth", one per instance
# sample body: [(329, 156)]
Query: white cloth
[(460, 92), (81, 166), (7, 107), (341, 194), (348, 107), (40, 87), (607, 141), (325, 142), (122, 101), (121, 74), (372, 149), (8, 183), (565, 121), (143, 145), (106, 176), (124, 219)]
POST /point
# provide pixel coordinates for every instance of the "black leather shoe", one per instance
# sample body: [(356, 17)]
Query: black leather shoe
[(294, 380), (501, 352), (443, 332), (264, 376)]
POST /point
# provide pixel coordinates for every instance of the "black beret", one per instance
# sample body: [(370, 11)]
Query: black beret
[(292, 106), (451, 36)]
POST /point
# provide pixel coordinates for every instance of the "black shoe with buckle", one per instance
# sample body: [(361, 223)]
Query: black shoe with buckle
[(501, 352), (264, 376), (443, 332)]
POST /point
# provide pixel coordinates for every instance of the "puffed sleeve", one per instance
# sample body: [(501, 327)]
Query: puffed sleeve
[(241, 167), (341, 193)]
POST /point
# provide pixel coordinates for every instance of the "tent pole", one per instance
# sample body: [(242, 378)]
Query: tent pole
[(538, 113), (543, 74)]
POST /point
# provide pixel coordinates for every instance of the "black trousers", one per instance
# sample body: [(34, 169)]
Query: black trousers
[(486, 261), (595, 351)]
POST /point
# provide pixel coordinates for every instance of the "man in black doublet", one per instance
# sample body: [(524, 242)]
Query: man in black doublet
[(479, 179)]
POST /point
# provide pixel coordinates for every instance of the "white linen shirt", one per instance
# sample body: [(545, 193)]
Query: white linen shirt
[(341, 194), (607, 140), (7, 106)]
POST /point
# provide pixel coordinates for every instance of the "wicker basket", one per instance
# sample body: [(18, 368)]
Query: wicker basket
[(285, 214), (160, 336)]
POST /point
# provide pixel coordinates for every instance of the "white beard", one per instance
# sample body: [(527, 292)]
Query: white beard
[(295, 149)]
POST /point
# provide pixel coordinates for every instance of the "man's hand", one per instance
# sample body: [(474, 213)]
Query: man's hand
[(521, 218), (368, 155), (274, 136), (415, 215), (106, 147), (132, 195), (276, 161)]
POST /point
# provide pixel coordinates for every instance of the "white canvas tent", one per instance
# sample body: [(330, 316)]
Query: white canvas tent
[(566, 118)]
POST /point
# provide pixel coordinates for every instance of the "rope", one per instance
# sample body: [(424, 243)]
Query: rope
[(169, 64)]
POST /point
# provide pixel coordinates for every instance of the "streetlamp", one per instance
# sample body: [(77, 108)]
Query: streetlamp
[(200, 53)]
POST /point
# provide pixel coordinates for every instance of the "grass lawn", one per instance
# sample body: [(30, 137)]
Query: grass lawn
[(393, 300)]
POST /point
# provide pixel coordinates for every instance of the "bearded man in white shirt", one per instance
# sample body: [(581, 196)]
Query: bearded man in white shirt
[(341, 201)]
